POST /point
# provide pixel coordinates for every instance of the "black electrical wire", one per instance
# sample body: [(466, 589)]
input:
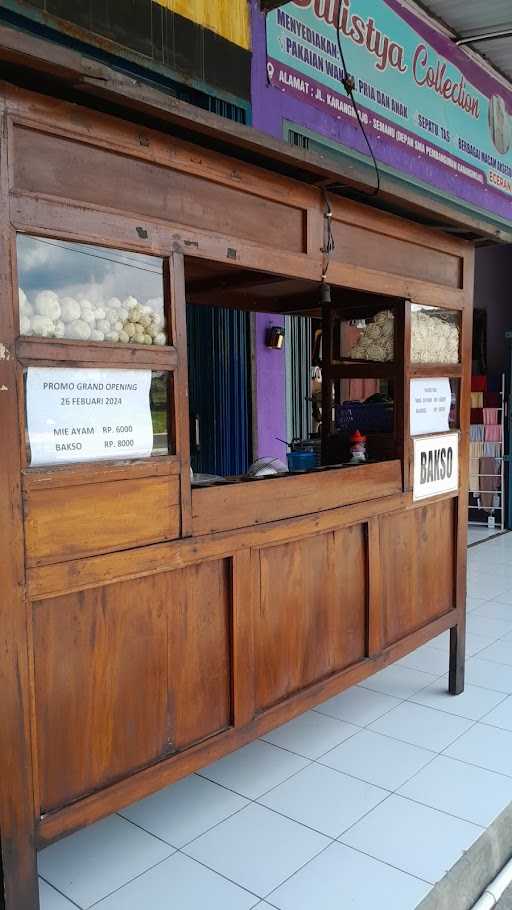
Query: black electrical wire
[(349, 86), (329, 244)]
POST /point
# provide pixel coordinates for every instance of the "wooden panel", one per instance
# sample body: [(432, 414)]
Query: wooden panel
[(418, 567), (91, 518), (199, 649), (171, 769), (127, 674), (312, 616), (225, 508), (361, 247), (93, 175), (98, 472), (31, 350), (78, 574), (101, 692)]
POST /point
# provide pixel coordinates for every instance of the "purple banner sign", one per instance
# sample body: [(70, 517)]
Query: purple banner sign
[(433, 115)]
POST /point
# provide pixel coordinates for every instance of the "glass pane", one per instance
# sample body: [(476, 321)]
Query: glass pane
[(89, 293), (89, 414), (435, 335), (364, 422), (454, 417), (159, 399), (371, 338)]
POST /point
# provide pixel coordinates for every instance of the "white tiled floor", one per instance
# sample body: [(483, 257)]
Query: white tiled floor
[(477, 533), (364, 802)]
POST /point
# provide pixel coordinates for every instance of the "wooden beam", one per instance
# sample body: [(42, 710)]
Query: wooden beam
[(237, 281), (267, 5), (18, 801), (61, 70)]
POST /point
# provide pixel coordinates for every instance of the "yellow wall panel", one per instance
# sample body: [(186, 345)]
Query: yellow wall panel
[(229, 18)]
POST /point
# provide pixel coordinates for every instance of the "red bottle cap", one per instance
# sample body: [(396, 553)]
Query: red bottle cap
[(357, 438)]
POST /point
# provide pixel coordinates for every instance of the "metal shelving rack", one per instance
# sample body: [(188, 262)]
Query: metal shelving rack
[(498, 494)]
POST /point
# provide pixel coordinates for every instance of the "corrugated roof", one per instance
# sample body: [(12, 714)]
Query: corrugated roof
[(477, 19)]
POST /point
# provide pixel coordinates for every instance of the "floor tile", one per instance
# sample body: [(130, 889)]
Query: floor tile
[(501, 716), (473, 703), (324, 799), (344, 879), (477, 556), (184, 810), (470, 793), (428, 659), (489, 675), (495, 609), (485, 625), (500, 653), (475, 644), (499, 569), (421, 726), (505, 597), (311, 734), (472, 602), (254, 769), (179, 883), (93, 862), (482, 532), (380, 760), (358, 706), (441, 642), (486, 746), (257, 848), (50, 899), (401, 682), (487, 586), (415, 838)]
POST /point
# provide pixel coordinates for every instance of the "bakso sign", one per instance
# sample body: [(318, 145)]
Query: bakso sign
[(431, 111), (436, 465)]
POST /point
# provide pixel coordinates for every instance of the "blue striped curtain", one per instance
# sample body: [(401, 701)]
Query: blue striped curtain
[(220, 388)]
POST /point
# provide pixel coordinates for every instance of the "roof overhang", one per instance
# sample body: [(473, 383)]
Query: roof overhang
[(267, 5), (44, 66), (483, 28)]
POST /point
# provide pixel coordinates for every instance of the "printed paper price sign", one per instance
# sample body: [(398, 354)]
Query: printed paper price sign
[(87, 414)]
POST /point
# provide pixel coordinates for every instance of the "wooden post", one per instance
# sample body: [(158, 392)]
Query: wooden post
[(179, 333), (458, 632), (18, 887)]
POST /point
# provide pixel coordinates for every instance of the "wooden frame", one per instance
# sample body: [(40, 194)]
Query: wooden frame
[(212, 593)]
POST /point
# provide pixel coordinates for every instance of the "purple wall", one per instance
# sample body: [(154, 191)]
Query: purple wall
[(493, 282), (269, 106), (270, 393), (270, 397), (270, 416)]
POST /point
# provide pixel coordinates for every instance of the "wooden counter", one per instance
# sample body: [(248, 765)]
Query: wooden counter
[(148, 628)]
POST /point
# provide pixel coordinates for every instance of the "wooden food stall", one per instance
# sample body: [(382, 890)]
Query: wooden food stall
[(150, 625)]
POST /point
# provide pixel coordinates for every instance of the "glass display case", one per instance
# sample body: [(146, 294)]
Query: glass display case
[(370, 338), (435, 335), (88, 293)]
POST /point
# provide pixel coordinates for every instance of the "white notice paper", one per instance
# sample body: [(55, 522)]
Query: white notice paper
[(88, 414), (436, 465), (430, 406)]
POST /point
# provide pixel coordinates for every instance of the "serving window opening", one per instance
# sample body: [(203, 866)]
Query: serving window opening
[(281, 384)]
